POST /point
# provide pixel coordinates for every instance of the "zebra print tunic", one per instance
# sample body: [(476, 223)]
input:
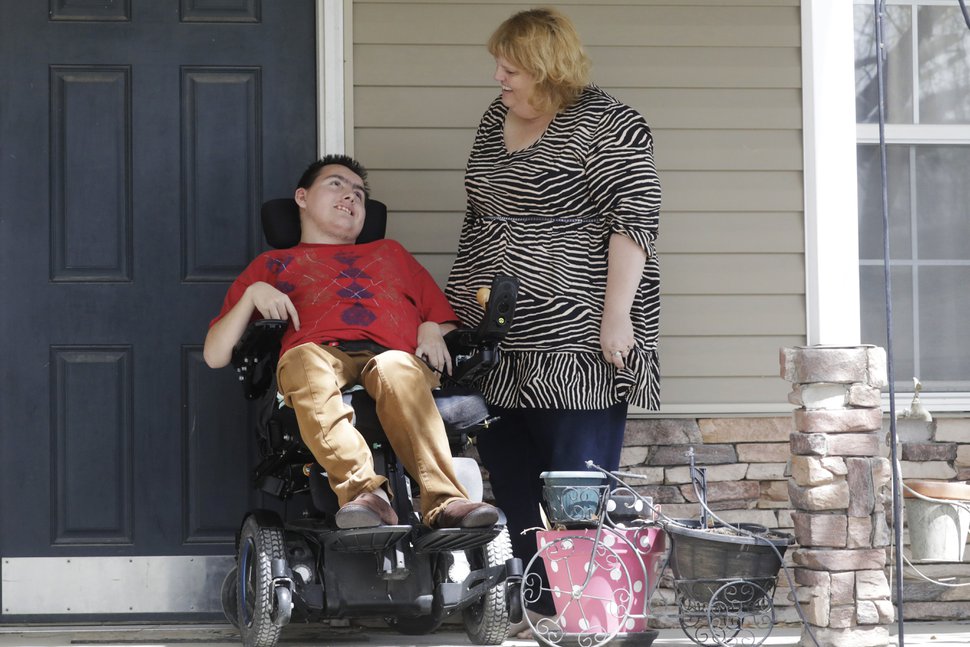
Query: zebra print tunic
[(545, 214)]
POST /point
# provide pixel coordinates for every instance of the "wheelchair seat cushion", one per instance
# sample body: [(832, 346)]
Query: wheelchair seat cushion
[(463, 410)]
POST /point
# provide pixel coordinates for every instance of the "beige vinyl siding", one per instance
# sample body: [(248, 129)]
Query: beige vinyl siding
[(719, 82)]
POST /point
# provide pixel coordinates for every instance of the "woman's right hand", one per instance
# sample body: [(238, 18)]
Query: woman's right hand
[(272, 304), (616, 338)]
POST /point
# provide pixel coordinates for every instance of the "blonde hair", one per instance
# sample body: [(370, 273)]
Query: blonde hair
[(544, 43)]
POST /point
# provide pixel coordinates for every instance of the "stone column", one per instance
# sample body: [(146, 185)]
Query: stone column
[(839, 494)]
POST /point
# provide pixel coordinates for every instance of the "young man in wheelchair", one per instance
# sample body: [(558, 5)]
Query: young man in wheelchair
[(365, 314)]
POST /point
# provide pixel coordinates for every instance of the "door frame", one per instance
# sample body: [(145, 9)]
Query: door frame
[(335, 121)]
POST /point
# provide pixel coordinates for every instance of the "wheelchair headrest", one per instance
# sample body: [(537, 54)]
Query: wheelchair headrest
[(281, 222)]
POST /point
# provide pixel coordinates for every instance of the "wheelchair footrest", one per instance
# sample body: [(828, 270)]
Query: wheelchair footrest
[(365, 540), (448, 539), (311, 525)]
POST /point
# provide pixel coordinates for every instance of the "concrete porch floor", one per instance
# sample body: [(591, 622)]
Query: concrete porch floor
[(917, 634)]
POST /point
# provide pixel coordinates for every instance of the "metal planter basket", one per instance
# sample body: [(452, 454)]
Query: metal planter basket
[(718, 553), (724, 580)]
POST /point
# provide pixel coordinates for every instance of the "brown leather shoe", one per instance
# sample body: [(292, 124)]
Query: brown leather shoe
[(462, 513), (367, 510)]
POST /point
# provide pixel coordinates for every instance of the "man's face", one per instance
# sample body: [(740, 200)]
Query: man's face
[(332, 209)]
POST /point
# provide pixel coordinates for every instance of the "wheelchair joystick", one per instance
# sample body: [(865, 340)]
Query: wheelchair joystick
[(476, 351), (482, 296)]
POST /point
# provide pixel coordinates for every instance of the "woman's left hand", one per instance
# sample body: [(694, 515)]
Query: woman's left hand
[(616, 338), (432, 347)]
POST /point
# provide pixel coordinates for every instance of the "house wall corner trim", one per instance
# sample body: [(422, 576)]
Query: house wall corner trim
[(333, 71), (831, 203)]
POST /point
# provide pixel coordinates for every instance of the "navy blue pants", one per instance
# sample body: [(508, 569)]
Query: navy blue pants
[(527, 442)]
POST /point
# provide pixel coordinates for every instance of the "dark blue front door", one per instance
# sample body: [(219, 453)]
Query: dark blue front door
[(137, 141)]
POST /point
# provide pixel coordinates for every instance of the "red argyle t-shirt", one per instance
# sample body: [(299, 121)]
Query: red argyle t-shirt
[(373, 292)]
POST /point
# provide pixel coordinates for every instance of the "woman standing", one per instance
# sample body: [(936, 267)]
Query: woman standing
[(563, 194)]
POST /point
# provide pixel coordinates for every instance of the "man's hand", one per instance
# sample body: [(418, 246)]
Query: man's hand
[(432, 347), (272, 303), (223, 335)]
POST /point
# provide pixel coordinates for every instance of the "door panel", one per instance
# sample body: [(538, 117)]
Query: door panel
[(214, 100), (137, 141), (91, 384), (90, 109)]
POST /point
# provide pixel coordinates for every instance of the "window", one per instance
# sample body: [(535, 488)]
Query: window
[(927, 88)]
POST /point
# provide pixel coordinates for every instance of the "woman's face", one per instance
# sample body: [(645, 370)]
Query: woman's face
[(518, 87)]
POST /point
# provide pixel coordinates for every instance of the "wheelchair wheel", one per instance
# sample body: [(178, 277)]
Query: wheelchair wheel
[(230, 599), (257, 600), (487, 620)]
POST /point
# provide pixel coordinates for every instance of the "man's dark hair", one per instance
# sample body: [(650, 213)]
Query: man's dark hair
[(312, 171)]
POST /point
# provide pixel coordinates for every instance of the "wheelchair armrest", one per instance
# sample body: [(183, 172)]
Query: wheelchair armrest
[(476, 352), (255, 354)]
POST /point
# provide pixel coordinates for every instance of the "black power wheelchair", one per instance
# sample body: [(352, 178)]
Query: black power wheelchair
[(303, 568)]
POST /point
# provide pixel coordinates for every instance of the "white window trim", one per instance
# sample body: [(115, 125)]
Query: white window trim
[(914, 134)]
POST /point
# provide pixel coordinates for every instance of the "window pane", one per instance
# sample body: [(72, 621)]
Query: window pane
[(944, 66), (944, 311), (898, 69), (872, 287), (928, 85), (870, 202), (943, 202)]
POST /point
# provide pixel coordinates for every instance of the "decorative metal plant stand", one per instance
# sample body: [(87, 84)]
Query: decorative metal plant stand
[(603, 567), (724, 576), (599, 584), (726, 611), (598, 571)]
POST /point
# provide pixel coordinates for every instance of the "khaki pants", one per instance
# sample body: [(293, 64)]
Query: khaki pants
[(311, 377)]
